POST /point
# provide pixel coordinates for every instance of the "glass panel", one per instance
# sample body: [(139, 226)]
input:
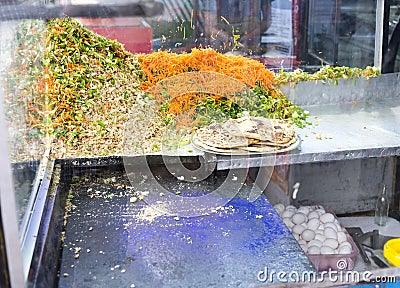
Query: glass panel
[(343, 32), (68, 92), (394, 19), (21, 68)]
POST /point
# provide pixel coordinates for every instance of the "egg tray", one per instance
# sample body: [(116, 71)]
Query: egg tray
[(335, 262)]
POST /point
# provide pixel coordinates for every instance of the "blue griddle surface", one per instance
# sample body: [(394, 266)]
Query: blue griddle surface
[(108, 244)]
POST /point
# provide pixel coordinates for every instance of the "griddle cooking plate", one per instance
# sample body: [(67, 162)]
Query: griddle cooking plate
[(108, 244)]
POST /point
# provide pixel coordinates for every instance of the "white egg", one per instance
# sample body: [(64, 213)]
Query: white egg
[(330, 233), (313, 250), (313, 214), (288, 222), (321, 226), (313, 223), (302, 242), (320, 237), (308, 235), (291, 207), (345, 250), (314, 242), (287, 213), (327, 217), (299, 218), (327, 250), (344, 244), (332, 225), (298, 229), (320, 211), (329, 242), (341, 236), (304, 209), (279, 208)]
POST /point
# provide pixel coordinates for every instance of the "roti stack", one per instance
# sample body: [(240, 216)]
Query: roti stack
[(246, 134)]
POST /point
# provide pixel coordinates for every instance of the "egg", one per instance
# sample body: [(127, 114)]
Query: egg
[(302, 242), (344, 244), (315, 242), (330, 233), (308, 235), (298, 229), (287, 213), (288, 222), (304, 209), (299, 218), (320, 211), (313, 214), (341, 236), (313, 250), (319, 237), (327, 250), (279, 208), (345, 250), (327, 217), (329, 242), (291, 207), (332, 225), (313, 223)]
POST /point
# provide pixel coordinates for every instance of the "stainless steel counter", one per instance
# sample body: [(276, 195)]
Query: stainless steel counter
[(349, 121)]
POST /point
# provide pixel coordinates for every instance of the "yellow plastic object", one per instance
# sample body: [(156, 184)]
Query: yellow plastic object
[(391, 251)]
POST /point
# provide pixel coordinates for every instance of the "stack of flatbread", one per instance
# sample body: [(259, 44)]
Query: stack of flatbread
[(246, 134)]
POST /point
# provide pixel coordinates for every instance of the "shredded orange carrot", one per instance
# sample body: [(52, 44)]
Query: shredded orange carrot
[(161, 65)]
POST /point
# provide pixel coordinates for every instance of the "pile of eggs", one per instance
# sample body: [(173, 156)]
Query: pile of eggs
[(316, 231)]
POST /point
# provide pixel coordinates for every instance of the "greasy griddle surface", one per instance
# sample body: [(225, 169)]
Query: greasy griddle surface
[(111, 242)]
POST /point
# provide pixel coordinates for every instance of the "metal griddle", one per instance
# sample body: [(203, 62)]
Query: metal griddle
[(109, 243)]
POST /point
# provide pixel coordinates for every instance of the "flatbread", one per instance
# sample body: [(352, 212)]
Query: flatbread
[(263, 129), (248, 127), (246, 134), (200, 144), (215, 135), (282, 144), (261, 148)]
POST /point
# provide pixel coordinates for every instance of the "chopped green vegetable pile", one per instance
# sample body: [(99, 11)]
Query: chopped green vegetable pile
[(72, 90)]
